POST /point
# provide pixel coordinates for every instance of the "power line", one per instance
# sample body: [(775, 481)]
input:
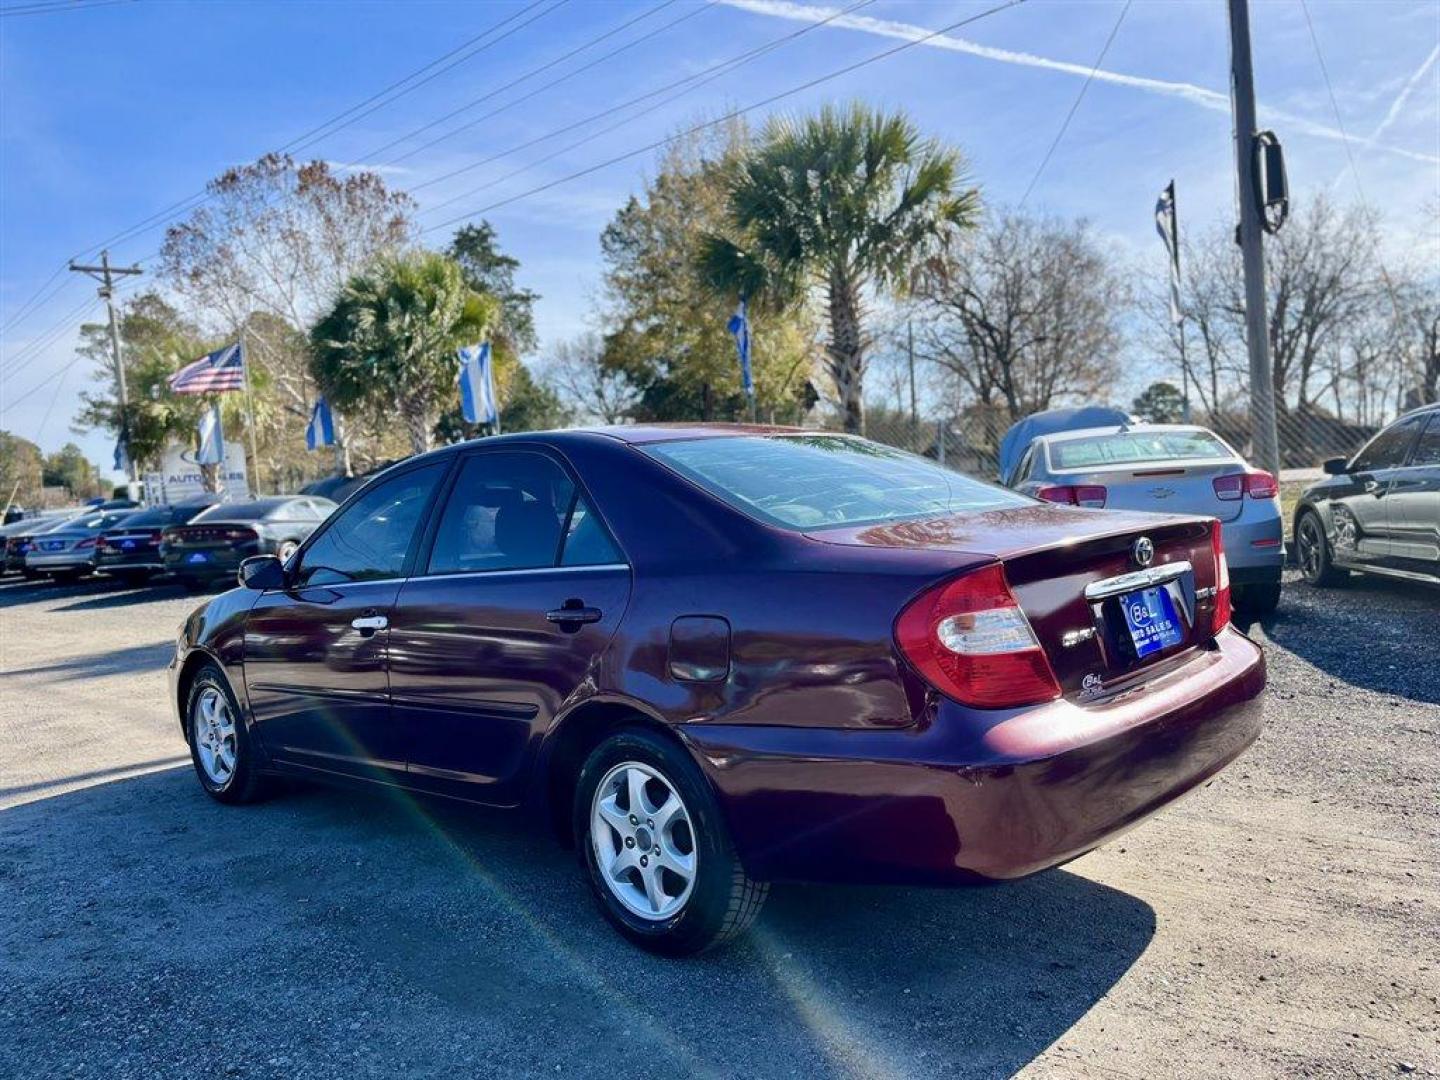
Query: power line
[(1349, 155), (531, 74), (705, 75), (468, 49), (809, 84), (58, 6), (1075, 105), (30, 306)]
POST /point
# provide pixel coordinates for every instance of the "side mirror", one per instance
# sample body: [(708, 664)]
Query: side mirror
[(1334, 466), (261, 572)]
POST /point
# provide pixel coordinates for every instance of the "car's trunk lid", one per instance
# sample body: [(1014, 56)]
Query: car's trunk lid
[(1164, 487), (1053, 554)]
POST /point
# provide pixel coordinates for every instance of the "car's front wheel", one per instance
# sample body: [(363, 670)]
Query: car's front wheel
[(1314, 552), (655, 849), (220, 746)]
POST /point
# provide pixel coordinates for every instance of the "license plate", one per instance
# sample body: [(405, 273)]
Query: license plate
[(128, 545), (198, 556), (53, 545), (1151, 619)]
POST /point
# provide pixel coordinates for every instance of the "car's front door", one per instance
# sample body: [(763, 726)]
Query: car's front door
[(1360, 510), (1415, 504), (518, 594), (316, 652)]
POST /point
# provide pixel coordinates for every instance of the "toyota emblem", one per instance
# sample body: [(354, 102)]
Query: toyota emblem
[(1143, 551)]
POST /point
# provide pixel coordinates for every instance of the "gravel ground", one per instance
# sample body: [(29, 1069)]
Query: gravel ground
[(1283, 921)]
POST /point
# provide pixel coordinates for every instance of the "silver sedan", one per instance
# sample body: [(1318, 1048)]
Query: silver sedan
[(1169, 468)]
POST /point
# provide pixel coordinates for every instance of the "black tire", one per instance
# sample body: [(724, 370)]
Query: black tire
[(1313, 550), (192, 584), (131, 579), (30, 575), (245, 782), (1258, 601), (723, 901)]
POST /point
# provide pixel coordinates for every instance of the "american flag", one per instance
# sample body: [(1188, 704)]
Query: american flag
[(215, 373)]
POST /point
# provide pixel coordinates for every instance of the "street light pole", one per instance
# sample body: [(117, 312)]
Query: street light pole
[(105, 274), (1266, 447)]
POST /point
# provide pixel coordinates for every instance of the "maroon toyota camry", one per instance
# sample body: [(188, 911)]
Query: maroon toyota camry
[(718, 657)]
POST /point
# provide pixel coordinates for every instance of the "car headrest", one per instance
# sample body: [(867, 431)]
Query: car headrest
[(528, 530)]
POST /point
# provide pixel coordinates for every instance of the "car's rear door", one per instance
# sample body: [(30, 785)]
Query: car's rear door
[(1415, 504), (316, 652), (518, 593)]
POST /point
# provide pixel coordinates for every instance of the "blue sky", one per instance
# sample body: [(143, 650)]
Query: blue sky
[(111, 113)]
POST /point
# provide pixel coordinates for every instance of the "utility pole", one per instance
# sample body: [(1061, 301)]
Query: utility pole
[(1257, 334), (105, 274)]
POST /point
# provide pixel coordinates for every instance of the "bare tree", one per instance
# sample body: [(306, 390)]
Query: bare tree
[(1025, 316), (594, 389), (280, 239)]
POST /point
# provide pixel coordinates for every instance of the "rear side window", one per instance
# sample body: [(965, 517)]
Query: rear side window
[(516, 511), (1135, 447), (372, 538)]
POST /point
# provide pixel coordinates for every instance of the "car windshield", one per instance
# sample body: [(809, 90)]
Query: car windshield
[(825, 481), (1133, 447)]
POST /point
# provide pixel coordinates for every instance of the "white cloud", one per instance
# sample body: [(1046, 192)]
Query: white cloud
[(1195, 95)]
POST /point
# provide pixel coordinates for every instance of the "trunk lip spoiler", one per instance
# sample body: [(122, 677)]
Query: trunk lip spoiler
[(1137, 579)]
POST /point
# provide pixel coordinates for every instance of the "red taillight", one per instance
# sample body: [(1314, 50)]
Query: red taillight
[(240, 534), (1261, 485), (1088, 495), (970, 640), (87, 543), (1258, 485), (1222, 580)]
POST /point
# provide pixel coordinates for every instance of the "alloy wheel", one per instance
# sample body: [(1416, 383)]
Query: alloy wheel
[(215, 738), (1310, 548), (643, 840)]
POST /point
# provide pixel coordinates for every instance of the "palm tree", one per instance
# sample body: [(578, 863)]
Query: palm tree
[(387, 346), (840, 202)]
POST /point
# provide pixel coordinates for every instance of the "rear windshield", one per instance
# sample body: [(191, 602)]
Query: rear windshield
[(158, 516), (246, 511), (1127, 447), (825, 481)]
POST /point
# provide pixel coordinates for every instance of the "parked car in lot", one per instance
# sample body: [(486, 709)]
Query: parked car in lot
[(1169, 468), (1378, 512), (68, 550), (212, 544), (715, 657), (17, 536), (130, 550)]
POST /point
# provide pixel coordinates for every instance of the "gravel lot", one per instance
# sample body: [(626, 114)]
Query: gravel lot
[(1283, 921)]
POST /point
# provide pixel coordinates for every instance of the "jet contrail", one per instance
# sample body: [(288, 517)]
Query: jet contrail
[(1196, 95)]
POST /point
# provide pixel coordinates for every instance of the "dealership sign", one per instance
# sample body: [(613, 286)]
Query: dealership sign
[(181, 477)]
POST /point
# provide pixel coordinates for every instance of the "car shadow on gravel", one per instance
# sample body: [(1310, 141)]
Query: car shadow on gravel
[(1374, 633), (357, 933)]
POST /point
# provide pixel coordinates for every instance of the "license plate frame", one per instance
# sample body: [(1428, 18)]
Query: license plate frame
[(1152, 620), (197, 557)]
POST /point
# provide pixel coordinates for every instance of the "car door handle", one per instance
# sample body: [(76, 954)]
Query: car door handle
[(368, 624), (574, 613)]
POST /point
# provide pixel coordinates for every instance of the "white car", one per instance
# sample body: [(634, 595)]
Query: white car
[(1168, 468)]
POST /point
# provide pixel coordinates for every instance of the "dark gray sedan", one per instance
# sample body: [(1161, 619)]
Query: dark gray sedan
[(1378, 512), (212, 545)]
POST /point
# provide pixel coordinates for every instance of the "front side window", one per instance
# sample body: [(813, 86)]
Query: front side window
[(1427, 450), (826, 481), (1135, 448), (1388, 449), (372, 538), (516, 511)]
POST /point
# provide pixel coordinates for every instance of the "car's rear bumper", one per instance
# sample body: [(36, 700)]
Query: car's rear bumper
[(973, 795), (131, 560), (46, 562), (218, 562), (1254, 547)]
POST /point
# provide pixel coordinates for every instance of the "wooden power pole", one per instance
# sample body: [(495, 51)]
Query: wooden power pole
[(106, 274)]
